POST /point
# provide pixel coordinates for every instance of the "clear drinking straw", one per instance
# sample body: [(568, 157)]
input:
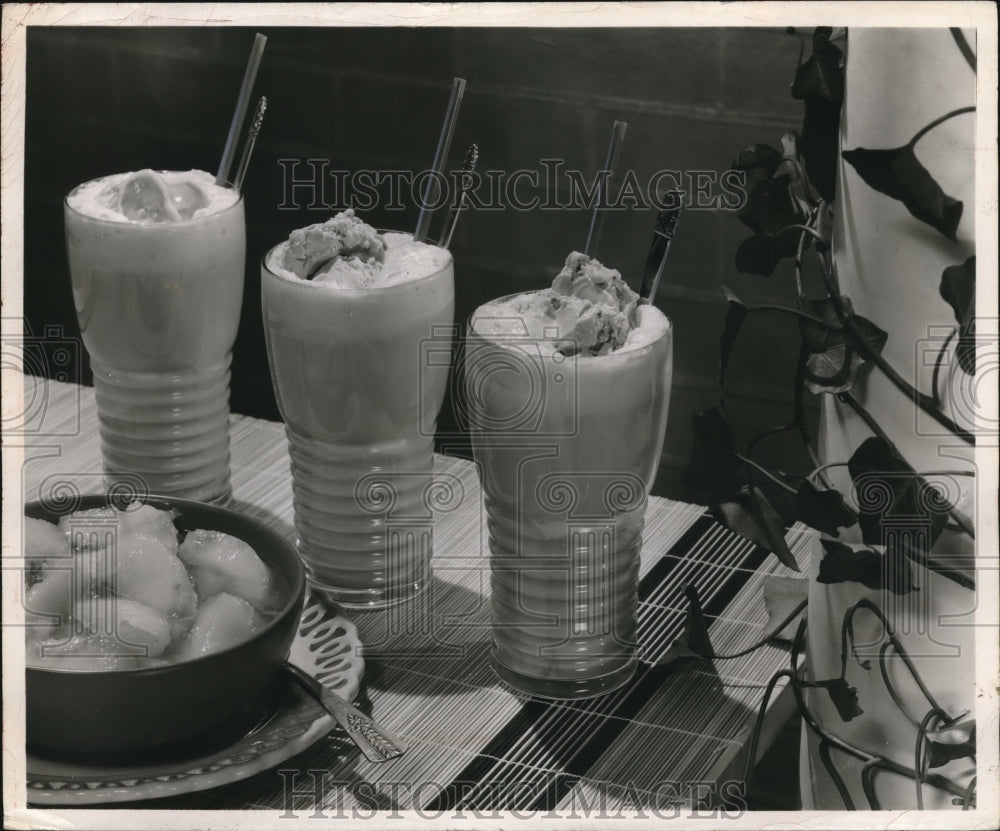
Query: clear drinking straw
[(440, 157), (598, 217), (229, 153)]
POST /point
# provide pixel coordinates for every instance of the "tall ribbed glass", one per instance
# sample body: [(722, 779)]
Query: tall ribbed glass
[(567, 449), (159, 307), (360, 375)]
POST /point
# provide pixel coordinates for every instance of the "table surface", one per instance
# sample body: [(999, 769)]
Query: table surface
[(475, 745)]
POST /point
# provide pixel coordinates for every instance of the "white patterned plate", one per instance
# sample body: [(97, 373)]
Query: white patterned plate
[(326, 645)]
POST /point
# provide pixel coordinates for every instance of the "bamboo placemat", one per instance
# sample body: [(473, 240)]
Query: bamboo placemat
[(667, 737)]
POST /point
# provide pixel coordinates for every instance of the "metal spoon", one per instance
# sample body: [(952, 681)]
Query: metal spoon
[(376, 743)]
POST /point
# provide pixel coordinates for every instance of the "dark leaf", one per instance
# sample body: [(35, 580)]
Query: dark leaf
[(821, 76), (715, 469), (958, 288), (820, 338), (750, 515), (831, 371), (836, 352), (941, 754), (735, 315), (843, 564), (843, 696), (694, 642), (957, 741), (782, 595), (868, 333), (824, 510), (835, 369), (821, 35), (761, 255), (697, 628), (819, 145), (772, 205), (758, 161), (897, 508), (819, 82), (899, 174), (757, 255)]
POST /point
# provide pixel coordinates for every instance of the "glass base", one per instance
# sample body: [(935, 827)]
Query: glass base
[(225, 500), (124, 487), (166, 432), (567, 690), (368, 599)]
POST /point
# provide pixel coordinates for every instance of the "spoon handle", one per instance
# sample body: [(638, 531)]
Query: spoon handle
[(376, 743)]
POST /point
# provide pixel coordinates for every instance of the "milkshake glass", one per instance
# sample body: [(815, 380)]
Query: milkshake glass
[(567, 448), (158, 304), (360, 402)]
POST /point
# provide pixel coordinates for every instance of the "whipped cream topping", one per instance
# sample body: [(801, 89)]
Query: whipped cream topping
[(150, 197)]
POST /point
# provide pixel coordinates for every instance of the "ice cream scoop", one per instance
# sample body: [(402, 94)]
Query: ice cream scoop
[(316, 249), (345, 253), (589, 310)]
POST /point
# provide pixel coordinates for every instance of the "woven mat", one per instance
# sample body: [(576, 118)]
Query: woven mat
[(673, 734)]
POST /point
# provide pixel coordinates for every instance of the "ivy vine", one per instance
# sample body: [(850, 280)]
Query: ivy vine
[(788, 210), (790, 193)]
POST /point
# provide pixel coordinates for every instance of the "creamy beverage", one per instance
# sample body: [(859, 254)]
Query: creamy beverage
[(157, 261), (567, 391), (348, 315)]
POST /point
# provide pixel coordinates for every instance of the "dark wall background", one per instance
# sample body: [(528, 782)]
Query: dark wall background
[(105, 100)]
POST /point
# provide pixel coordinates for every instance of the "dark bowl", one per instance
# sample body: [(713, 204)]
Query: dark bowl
[(198, 705)]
